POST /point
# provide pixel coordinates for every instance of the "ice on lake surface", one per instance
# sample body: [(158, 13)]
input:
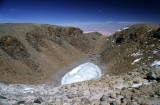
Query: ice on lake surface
[(83, 72)]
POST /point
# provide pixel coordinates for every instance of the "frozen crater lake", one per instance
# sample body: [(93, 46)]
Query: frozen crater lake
[(83, 72)]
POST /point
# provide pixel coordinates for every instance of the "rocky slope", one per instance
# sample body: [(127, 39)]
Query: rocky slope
[(139, 87), (34, 53), (43, 54), (132, 47)]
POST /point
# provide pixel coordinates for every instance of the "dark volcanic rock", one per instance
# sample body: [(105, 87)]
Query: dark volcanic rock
[(21, 102), (104, 98), (38, 100), (2, 97), (151, 75)]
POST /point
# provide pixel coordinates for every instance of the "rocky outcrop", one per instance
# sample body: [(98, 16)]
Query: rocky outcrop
[(132, 47), (13, 47), (74, 36)]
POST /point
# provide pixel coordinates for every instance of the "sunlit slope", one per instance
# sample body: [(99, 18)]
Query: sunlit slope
[(136, 46), (32, 53), (35, 53)]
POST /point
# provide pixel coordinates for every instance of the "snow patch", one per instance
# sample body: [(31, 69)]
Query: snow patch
[(137, 85), (155, 51), (122, 29), (74, 71), (135, 61), (150, 30), (156, 64), (86, 71), (150, 57), (125, 28), (77, 76), (136, 54), (152, 45)]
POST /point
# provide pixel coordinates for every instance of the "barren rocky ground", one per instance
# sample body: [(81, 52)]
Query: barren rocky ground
[(139, 87), (35, 57), (34, 53)]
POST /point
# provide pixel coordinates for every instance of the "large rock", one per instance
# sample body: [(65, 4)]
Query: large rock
[(38, 100), (104, 98), (85, 100), (2, 97), (151, 75), (21, 102)]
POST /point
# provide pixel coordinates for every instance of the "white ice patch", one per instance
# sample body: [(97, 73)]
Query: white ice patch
[(136, 54), (74, 70), (125, 28), (86, 71), (156, 64), (135, 61), (137, 85), (155, 51), (122, 29), (150, 30)]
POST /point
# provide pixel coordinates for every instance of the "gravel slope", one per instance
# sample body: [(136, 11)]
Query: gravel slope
[(141, 86)]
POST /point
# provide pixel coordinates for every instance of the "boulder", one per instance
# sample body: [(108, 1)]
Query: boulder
[(38, 100), (113, 95), (104, 98), (85, 100), (151, 75), (2, 97), (113, 103), (21, 102)]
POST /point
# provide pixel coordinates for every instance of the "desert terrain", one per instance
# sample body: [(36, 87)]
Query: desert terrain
[(35, 57)]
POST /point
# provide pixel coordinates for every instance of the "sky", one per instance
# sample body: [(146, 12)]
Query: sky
[(104, 16)]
